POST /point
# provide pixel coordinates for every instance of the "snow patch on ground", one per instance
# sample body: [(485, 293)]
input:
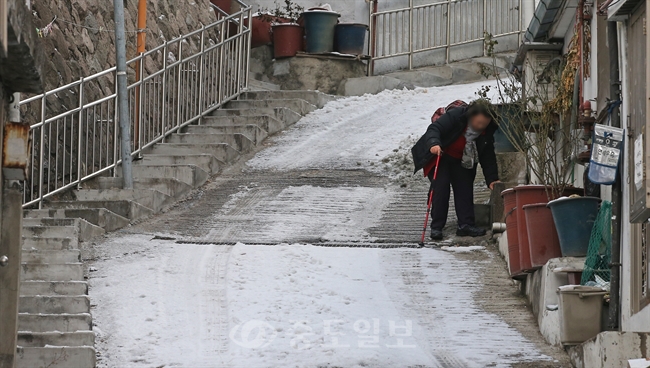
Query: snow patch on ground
[(293, 305), (360, 131), (302, 212), (472, 248)]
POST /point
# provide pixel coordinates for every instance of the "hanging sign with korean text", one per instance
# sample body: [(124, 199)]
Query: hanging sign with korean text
[(605, 154)]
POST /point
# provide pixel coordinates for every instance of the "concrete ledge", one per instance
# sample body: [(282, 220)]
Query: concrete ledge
[(541, 291), (371, 85), (610, 349), (305, 72)]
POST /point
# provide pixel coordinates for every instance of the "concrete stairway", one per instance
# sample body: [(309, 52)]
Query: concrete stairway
[(55, 326), (55, 321)]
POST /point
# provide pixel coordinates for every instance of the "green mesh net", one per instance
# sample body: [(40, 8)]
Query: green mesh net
[(599, 255)]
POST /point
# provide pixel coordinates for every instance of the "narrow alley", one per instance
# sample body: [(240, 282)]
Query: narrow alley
[(305, 255)]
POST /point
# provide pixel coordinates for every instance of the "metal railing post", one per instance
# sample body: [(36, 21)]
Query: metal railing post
[(178, 84), (200, 101), (249, 36), (448, 31), (139, 128), (221, 57), (520, 26), (41, 148), (484, 25), (163, 106), (371, 37), (80, 117), (238, 56), (116, 142), (411, 30)]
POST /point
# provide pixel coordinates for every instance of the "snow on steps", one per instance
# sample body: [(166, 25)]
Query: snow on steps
[(56, 357), (55, 324), (54, 321), (257, 85)]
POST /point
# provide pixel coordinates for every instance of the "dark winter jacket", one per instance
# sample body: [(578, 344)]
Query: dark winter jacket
[(449, 128)]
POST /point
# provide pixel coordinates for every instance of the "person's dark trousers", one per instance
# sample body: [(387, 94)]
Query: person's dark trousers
[(452, 174)]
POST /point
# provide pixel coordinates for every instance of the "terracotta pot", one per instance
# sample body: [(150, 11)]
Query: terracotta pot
[(287, 39), (532, 194), (527, 194), (509, 206), (261, 33), (543, 241), (225, 5)]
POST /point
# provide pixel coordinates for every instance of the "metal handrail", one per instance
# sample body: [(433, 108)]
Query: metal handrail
[(411, 30), (182, 81)]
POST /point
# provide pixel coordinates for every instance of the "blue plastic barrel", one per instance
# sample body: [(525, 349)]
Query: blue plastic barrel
[(351, 38), (502, 142), (574, 218), (506, 131), (320, 26)]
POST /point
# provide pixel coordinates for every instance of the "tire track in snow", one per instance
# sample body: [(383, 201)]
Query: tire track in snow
[(214, 302), (436, 290), (412, 284)]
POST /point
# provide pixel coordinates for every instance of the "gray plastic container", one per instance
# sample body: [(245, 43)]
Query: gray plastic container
[(580, 313)]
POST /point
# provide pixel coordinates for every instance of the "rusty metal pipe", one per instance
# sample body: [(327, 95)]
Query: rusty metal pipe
[(141, 47)]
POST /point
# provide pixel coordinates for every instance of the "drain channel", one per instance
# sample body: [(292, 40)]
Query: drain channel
[(382, 245)]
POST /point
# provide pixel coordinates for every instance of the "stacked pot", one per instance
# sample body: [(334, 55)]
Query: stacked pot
[(317, 31), (539, 230)]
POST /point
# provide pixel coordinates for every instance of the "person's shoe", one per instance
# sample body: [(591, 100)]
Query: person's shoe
[(473, 231), (436, 234)]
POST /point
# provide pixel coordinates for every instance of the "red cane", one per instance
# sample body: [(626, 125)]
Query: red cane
[(426, 219)]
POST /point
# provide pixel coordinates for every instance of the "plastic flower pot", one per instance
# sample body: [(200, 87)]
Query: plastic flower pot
[(509, 207), (225, 5), (320, 26), (574, 218), (543, 241), (351, 38), (287, 39), (527, 194), (261, 33), (531, 194)]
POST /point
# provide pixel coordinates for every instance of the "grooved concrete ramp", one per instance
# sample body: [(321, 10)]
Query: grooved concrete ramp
[(305, 256)]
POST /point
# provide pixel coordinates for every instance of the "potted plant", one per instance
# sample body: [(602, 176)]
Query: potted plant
[(288, 37), (264, 20), (542, 124)]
